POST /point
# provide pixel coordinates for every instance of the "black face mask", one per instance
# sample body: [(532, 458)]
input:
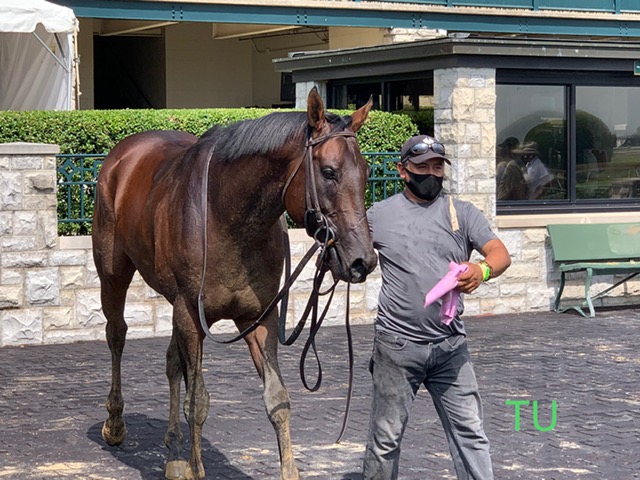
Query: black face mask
[(425, 187)]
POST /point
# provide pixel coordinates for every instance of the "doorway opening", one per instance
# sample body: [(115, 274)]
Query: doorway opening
[(129, 72)]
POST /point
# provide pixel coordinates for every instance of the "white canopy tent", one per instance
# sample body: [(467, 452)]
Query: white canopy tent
[(38, 53)]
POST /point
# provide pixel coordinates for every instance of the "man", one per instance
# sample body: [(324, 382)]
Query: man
[(536, 173), (417, 233), (510, 181)]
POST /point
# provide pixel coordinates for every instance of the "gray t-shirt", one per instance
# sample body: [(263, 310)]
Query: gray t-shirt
[(415, 243)]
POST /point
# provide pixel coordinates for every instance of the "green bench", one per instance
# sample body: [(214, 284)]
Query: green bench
[(597, 249)]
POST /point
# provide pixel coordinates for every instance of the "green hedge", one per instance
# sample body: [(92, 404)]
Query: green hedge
[(97, 131), (422, 118)]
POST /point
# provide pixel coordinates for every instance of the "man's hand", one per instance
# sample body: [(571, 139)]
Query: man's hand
[(471, 279), (495, 255)]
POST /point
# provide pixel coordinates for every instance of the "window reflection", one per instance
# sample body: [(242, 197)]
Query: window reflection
[(607, 142), (531, 157)]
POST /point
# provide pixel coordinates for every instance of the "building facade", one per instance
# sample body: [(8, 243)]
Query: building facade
[(541, 131)]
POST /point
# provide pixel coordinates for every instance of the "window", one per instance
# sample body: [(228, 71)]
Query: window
[(413, 96), (531, 153), (607, 142), (287, 88), (567, 147)]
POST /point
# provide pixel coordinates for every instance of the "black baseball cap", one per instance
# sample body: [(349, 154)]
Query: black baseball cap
[(420, 148)]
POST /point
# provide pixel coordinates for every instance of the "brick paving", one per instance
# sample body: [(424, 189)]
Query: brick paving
[(52, 406)]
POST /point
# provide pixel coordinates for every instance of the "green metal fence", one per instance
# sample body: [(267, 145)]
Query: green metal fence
[(77, 175), (384, 180)]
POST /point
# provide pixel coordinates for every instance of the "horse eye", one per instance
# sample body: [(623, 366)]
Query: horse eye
[(329, 173)]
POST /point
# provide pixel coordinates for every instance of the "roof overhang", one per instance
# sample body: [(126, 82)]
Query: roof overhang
[(512, 17), (499, 53)]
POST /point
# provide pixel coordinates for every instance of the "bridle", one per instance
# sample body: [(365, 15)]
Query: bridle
[(316, 224), (323, 231)]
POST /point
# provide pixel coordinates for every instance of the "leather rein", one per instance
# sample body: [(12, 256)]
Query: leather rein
[(323, 231)]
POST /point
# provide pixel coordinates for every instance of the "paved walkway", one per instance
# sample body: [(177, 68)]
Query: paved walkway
[(52, 406)]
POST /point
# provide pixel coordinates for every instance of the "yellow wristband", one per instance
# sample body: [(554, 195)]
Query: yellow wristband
[(486, 271)]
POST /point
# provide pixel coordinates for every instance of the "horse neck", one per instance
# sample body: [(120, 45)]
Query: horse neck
[(246, 194)]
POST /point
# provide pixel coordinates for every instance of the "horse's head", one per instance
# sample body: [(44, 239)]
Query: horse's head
[(328, 193)]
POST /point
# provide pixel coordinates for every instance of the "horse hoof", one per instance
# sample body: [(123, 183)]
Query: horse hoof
[(291, 474), (114, 436), (197, 475), (176, 470)]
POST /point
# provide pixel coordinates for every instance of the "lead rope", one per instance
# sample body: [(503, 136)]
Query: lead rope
[(204, 213), (310, 343), (283, 294), (347, 408)]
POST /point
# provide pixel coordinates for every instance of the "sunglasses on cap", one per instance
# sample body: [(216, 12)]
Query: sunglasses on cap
[(424, 147)]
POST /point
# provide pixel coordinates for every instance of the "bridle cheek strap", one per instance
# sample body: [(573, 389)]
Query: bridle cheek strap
[(318, 226), (316, 223)]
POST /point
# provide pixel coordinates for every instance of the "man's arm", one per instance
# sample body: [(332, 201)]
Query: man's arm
[(497, 259)]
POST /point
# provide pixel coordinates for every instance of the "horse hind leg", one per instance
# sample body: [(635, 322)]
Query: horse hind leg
[(176, 466), (263, 345), (113, 293), (188, 342)]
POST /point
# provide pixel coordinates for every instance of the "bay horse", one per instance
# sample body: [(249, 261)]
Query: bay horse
[(157, 212)]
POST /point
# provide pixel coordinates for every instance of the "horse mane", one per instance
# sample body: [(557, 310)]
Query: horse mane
[(265, 135)]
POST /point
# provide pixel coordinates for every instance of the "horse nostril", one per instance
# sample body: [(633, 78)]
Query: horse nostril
[(358, 271)]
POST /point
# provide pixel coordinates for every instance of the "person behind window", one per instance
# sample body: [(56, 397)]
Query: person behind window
[(510, 181), (504, 153), (536, 173)]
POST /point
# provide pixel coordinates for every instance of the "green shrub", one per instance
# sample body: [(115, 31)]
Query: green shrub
[(97, 131), (422, 118)]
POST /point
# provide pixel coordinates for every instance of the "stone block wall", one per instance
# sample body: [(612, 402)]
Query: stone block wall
[(29, 267)]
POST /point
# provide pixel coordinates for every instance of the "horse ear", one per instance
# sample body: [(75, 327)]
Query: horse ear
[(315, 110), (359, 116)]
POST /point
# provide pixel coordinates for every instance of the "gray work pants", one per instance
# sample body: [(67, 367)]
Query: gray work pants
[(398, 368)]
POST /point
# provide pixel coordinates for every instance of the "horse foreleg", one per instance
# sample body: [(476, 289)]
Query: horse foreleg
[(113, 301), (263, 345), (173, 439), (196, 403)]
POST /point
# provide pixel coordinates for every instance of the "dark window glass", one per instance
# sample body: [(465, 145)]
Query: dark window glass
[(607, 142), (413, 96), (531, 153)]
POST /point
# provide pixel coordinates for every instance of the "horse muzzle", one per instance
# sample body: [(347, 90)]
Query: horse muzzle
[(348, 258), (353, 271)]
